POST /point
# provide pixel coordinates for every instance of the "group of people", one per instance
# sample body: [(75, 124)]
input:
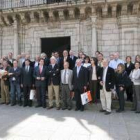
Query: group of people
[(68, 77)]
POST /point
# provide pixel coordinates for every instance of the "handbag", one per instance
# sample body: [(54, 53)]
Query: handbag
[(86, 97), (32, 94)]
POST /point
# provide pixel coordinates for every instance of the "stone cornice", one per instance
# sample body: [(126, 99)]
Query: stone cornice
[(71, 11)]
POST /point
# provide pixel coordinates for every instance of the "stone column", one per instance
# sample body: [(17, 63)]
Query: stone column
[(0, 41), (94, 36), (16, 39)]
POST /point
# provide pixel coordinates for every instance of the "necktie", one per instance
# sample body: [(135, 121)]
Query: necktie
[(26, 68), (65, 77)]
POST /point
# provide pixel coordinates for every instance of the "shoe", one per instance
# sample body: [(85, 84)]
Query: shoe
[(107, 113), (2, 103), (58, 108), (82, 110), (133, 109), (69, 108), (64, 108), (13, 104), (38, 106), (7, 103), (102, 110), (24, 105), (137, 112), (119, 110), (44, 106), (50, 107), (76, 109)]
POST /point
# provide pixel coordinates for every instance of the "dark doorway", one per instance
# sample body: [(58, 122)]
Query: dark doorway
[(49, 45)]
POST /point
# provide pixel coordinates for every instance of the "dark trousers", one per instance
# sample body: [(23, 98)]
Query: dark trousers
[(78, 93), (41, 95), (129, 92), (26, 94), (66, 99), (15, 88), (136, 102), (121, 98), (93, 89)]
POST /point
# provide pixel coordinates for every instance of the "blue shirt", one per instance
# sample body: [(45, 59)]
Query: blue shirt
[(114, 63)]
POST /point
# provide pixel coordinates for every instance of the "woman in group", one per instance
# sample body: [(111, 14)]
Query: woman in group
[(135, 77), (120, 81), (86, 62), (129, 66), (93, 71), (137, 58)]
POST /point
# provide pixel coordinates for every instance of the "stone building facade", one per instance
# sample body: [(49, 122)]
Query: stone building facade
[(104, 25)]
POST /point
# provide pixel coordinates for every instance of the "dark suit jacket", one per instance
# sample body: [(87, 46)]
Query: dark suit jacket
[(37, 73), (62, 62), (16, 74), (27, 77), (31, 64), (90, 70), (129, 69), (53, 74), (110, 78), (34, 64), (80, 81), (73, 61)]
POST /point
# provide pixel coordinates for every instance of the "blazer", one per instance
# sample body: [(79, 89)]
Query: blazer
[(16, 75), (80, 81), (27, 77), (129, 68), (62, 62), (53, 75), (90, 71), (37, 73), (110, 78), (31, 64), (70, 78), (73, 61)]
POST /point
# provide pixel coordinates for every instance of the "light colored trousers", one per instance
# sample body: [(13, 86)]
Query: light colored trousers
[(53, 89), (4, 92), (106, 99)]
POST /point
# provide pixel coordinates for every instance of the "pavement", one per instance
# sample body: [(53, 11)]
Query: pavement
[(30, 123)]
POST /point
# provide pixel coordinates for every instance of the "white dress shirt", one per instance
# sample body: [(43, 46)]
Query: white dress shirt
[(104, 74)]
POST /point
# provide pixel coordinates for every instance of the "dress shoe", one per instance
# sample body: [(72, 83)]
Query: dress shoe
[(76, 109), (137, 112), (2, 103), (44, 106), (69, 108), (7, 103), (133, 109), (24, 105), (38, 106), (82, 110), (50, 107), (107, 113), (119, 110), (13, 104), (58, 108), (64, 108), (102, 110)]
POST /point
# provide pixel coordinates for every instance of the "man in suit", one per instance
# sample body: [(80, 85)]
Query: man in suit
[(36, 62), (80, 83), (106, 79), (27, 57), (10, 59), (40, 83), (27, 82), (73, 59), (46, 59), (15, 82), (53, 83), (65, 58), (58, 59), (21, 60), (5, 84), (66, 86)]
